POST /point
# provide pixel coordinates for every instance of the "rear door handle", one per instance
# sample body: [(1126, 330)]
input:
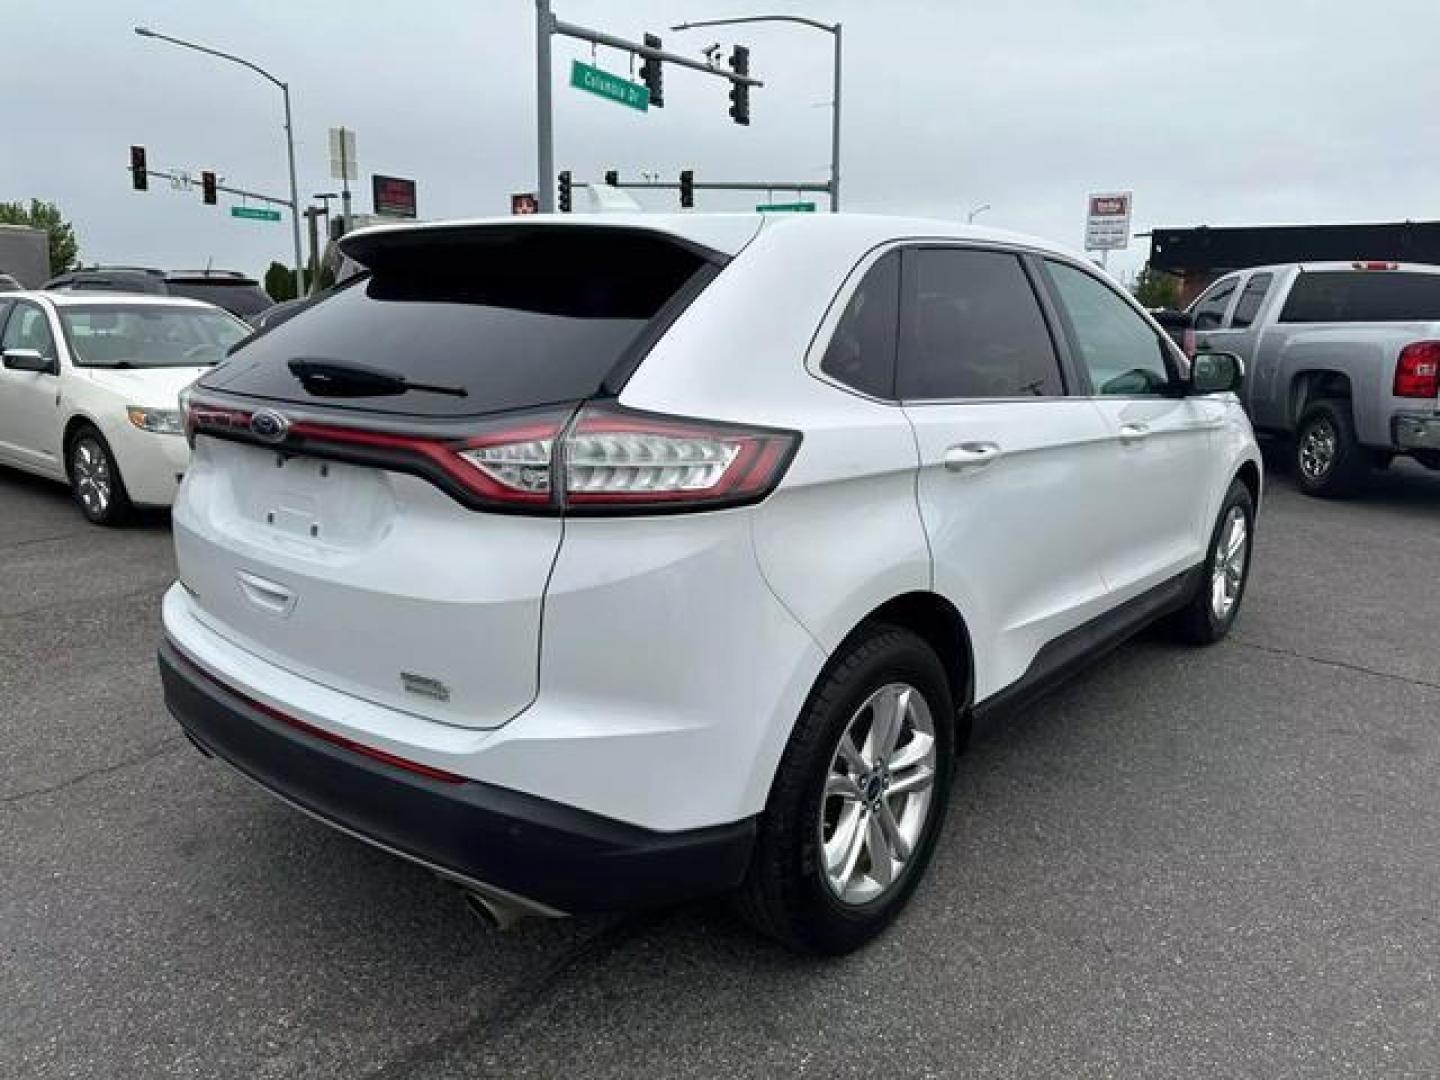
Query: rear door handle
[(970, 456), (1130, 433)]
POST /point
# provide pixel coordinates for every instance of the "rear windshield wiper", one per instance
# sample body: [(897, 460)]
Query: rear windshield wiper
[(336, 378)]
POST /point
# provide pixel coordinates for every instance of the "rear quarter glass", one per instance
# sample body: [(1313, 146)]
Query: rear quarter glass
[(514, 318)]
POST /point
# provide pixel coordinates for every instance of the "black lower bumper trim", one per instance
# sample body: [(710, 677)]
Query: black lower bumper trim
[(555, 855)]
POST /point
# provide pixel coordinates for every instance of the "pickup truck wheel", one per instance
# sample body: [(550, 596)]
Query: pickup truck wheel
[(95, 479), (858, 799), (1212, 610), (1329, 460)]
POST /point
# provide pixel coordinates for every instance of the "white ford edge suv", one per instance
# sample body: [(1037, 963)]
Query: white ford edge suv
[(606, 562)]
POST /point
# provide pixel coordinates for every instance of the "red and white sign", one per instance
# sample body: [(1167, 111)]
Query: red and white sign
[(524, 202), (1107, 224)]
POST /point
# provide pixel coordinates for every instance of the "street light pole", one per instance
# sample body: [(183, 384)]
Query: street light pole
[(146, 32), (976, 212), (834, 31)]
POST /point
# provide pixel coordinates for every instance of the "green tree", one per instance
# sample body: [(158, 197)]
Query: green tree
[(1157, 289), (280, 282), (64, 248)]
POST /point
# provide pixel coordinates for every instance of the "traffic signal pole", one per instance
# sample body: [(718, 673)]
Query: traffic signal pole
[(548, 26), (188, 180), (834, 30), (717, 185)]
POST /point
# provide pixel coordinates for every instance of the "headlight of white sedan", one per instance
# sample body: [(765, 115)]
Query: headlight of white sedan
[(160, 421)]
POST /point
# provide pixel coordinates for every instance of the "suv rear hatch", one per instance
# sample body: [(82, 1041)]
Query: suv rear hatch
[(318, 526)]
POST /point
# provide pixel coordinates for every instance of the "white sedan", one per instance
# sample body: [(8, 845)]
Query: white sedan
[(89, 391)]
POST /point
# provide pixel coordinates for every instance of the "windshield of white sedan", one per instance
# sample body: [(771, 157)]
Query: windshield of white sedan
[(148, 336)]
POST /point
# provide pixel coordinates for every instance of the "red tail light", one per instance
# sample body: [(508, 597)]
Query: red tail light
[(1417, 372), (603, 459), (616, 459)]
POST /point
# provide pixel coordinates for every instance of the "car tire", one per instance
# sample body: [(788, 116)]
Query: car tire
[(1208, 615), (1329, 460), (95, 478), (814, 882)]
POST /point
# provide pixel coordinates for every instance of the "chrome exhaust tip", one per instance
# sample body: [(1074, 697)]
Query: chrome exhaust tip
[(495, 913)]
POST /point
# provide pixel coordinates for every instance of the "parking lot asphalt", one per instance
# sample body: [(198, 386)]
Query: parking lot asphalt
[(1207, 863)]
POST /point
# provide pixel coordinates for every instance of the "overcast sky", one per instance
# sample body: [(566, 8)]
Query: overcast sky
[(1218, 111)]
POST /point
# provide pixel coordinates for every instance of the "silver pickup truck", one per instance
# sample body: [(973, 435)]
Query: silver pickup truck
[(1342, 357)]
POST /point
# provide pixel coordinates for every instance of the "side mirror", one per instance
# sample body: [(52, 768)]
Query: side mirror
[(1216, 373), (30, 360)]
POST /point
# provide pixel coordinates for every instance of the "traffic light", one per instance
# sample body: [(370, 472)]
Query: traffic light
[(138, 178), (207, 188), (740, 92), (612, 177), (687, 188), (565, 192), (652, 76)]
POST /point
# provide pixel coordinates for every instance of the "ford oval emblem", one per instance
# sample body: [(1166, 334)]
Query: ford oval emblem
[(269, 425)]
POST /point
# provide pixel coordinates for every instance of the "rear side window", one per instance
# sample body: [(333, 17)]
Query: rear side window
[(512, 316), (1363, 296), (1248, 306), (972, 328), (1210, 309), (242, 300), (861, 352)]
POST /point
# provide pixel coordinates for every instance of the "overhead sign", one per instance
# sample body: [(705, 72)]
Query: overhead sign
[(342, 154), (786, 208), (610, 87), (394, 197), (524, 202), (255, 213), (1107, 224)]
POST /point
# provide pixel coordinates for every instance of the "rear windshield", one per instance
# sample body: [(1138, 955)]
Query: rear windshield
[(244, 300), (513, 317), (1363, 296)]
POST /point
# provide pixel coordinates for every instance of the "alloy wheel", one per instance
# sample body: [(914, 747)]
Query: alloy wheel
[(1227, 564), (878, 792), (90, 468), (1317, 448)]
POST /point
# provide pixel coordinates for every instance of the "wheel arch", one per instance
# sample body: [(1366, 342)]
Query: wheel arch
[(1312, 385), (941, 625), (1249, 475)]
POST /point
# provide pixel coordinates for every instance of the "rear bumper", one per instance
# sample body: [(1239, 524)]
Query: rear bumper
[(550, 857), (1416, 431)]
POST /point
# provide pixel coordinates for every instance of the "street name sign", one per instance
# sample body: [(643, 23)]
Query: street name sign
[(255, 213), (610, 87), (1107, 222), (786, 208)]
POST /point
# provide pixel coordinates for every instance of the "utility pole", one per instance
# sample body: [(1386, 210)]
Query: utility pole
[(313, 214), (345, 164), (325, 197)]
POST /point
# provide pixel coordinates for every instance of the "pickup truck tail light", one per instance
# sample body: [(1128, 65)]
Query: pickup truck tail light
[(1417, 372)]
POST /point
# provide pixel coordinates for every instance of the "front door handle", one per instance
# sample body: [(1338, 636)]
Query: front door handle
[(970, 456), (1132, 433)]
